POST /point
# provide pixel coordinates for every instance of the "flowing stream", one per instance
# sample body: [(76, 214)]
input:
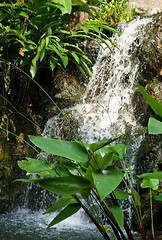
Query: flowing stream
[(106, 110)]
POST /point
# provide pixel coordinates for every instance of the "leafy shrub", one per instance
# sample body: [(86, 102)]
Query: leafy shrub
[(36, 34), (115, 11), (84, 175)]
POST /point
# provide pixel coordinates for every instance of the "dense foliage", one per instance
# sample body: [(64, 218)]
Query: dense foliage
[(115, 11), (86, 175), (40, 35)]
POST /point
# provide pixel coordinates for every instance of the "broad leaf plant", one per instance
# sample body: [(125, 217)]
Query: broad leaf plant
[(86, 175)]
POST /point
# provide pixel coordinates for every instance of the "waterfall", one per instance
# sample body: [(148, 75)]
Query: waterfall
[(105, 110), (107, 106)]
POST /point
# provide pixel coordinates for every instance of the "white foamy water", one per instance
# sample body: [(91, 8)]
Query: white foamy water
[(106, 110)]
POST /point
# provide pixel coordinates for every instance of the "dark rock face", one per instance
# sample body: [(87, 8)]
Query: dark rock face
[(150, 69), (8, 173), (151, 52)]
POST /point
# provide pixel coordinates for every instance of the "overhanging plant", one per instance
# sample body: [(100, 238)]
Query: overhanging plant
[(36, 34), (82, 174), (88, 171)]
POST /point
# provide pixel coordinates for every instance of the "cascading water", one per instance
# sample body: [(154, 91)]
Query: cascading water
[(106, 110)]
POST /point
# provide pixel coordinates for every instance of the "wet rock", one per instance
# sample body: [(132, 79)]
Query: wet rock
[(151, 52)]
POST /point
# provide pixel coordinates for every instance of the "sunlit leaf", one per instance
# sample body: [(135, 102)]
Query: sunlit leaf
[(119, 150), (67, 5), (75, 56), (24, 14), (151, 180), (154, 175), (154, 126), (43, 169), (150, 183)]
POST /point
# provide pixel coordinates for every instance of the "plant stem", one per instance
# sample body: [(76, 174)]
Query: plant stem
[(141, 227), (127, 229), (99, 227), (152, 221), (112, 220), (139, 218)]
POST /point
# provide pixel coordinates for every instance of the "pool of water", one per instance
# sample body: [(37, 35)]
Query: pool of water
[(26, 225)]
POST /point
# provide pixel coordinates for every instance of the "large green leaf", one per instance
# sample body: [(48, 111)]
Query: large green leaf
[(62, 185), (154, 126), (150, 180), (158, 198), (69, 164), (65, 185), (106, 183), (154, 175), (65, 213), (32, 165), (71, 150), (95, 146), (150, 183), (119, 215), (155, 105), (67, 5), (62, 202)]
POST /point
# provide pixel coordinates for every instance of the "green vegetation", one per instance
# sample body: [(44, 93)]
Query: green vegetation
[(115, 11), (38, 35), (87, 179)]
